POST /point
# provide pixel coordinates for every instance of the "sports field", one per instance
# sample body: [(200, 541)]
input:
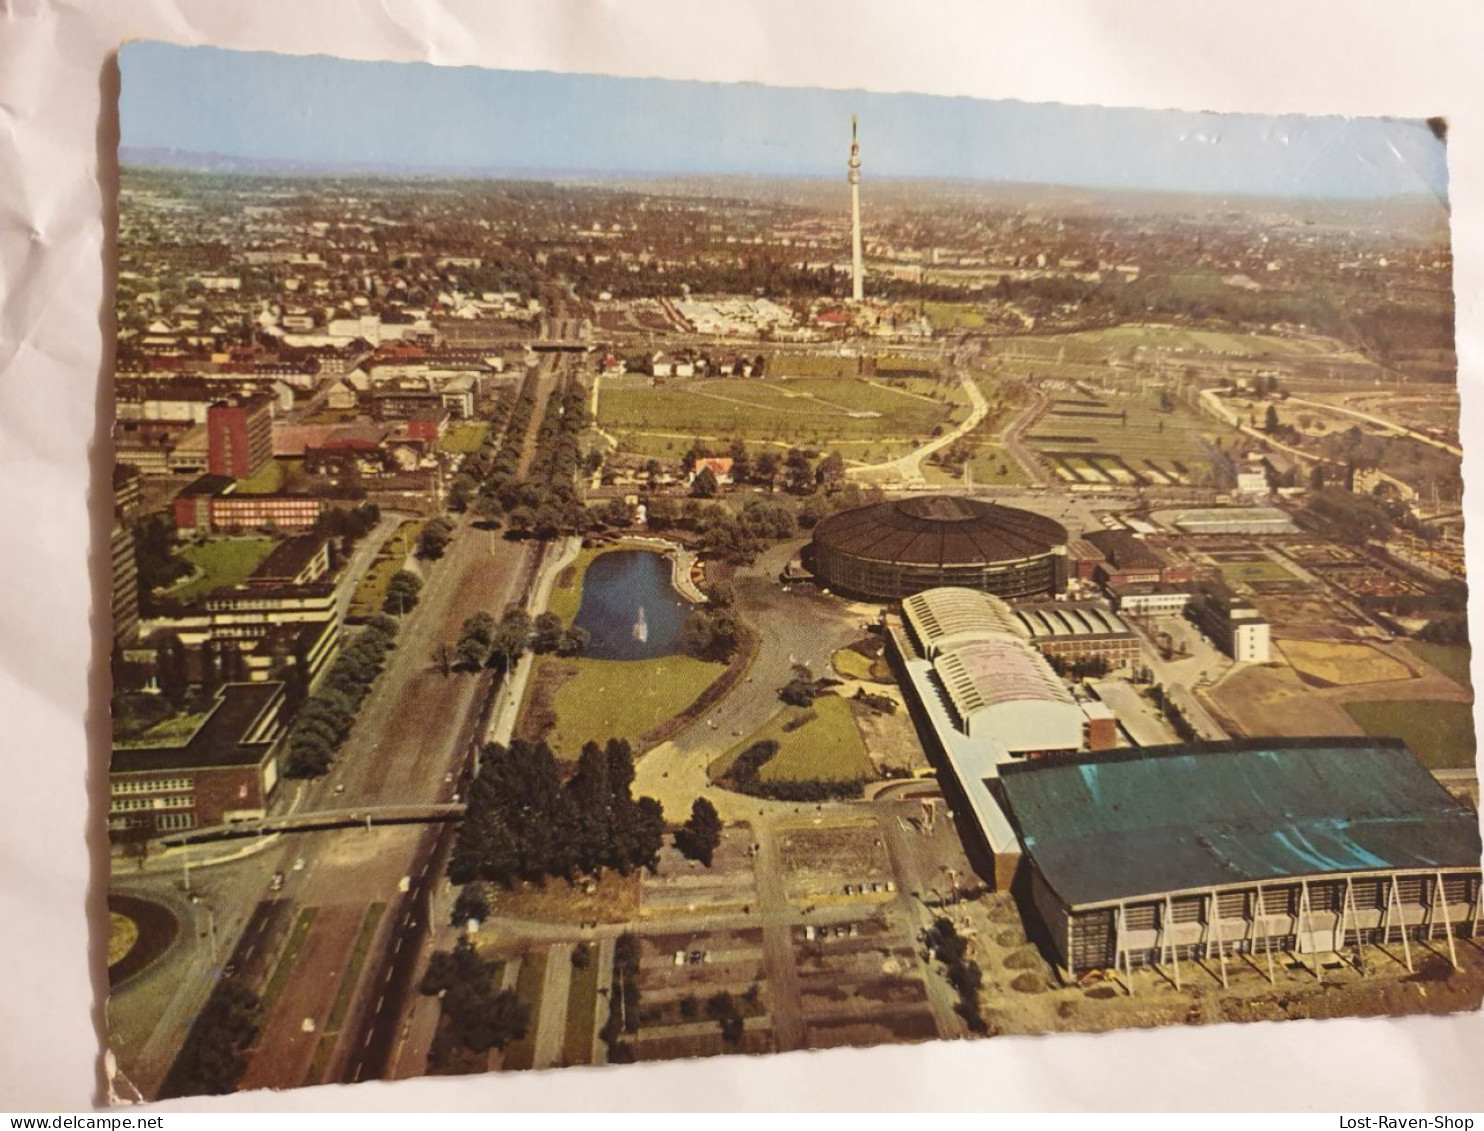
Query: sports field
[(818, 412), (1122, 436), (1439, 732)]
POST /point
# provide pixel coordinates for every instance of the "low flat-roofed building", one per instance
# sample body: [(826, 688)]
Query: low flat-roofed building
[(1174, 854), (1149, 599), (293, 562), (1231, 520), (224, 769)]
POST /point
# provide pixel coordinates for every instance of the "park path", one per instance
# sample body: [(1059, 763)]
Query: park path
[(908, 468)]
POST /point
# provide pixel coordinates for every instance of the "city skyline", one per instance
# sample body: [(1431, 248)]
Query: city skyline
[(422, 119)]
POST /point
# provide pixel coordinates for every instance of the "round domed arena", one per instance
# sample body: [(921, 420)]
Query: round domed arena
[(891, 550)]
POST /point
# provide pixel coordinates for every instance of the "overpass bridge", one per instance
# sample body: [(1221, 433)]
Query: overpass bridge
[(364, 816)]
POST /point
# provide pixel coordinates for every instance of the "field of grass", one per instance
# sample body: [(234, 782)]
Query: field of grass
[(1255, 571), (367, 600), (1099, 345), (1450, 659), (954, 315), (827, 747), (594, 700), (566, 593), (123, 933), (582, 1010), (812, 365), (529, 984), (166, 732), (1439, 732), (286, 960), (223, 562), (268, 480), (808, 411), (463, 438)]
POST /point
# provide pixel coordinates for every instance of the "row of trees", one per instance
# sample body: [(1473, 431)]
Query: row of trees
[(952, 949), (523, 823), (623, 1000), (322, 724)]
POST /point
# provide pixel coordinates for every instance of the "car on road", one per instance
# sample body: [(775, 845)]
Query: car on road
[(276, 883)]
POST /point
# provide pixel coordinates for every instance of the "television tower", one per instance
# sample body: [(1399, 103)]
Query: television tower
[(857, 272)]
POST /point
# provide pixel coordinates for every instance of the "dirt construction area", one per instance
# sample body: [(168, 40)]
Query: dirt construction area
[(1329, 665), (838, 863)]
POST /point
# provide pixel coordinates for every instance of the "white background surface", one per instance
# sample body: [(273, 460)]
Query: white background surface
[(57, 134)]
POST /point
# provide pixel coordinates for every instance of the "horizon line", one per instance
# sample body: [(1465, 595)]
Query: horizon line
[(131, 157)]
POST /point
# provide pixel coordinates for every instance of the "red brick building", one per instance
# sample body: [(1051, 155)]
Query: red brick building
[(239, 436), (226, 769)]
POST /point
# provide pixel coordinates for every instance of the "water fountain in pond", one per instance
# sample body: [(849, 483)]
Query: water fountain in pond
[(641, 628)]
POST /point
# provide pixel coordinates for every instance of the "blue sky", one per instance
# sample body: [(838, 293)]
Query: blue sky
[(318, 109)]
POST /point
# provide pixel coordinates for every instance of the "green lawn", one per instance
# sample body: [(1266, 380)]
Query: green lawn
[(223, 562), (268, 480), (594, 700), (954, 315), (582, 1011), (371, 591), (1450, 659), (1440, 733), (807, 411), (464, 438), (286, 960), (566, 594), (828, 747)]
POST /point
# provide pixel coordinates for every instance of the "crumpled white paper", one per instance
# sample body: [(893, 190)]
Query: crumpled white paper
[(58, 129)]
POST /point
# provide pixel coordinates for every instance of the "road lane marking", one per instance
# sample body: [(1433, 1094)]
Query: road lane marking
[(397, 949), (367, 1042), (380, 1003)]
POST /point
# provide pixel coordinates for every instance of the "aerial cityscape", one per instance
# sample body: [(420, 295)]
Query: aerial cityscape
[(600, 574)]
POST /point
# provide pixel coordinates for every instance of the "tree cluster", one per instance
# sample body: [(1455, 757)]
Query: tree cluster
[(699, 837), (214, 1055), (484, 640), (402, 592), (436, 534), (709, 634), (324, 721), (523, 823), (476, 1016), (549, 634)]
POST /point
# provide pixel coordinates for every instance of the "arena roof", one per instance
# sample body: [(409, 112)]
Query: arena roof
[(995, 671), (938, 530), (1069, 618), (1131, 824), (948, 615)]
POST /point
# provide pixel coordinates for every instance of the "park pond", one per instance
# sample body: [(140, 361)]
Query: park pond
[(629, 607)]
